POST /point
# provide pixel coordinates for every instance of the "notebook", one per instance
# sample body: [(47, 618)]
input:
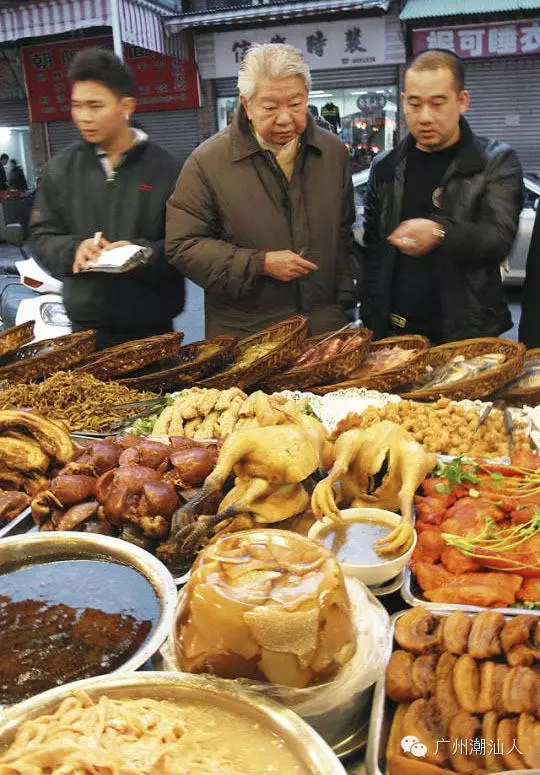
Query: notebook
[(120, 259)]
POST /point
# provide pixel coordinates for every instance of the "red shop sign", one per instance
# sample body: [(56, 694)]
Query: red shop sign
[(163, 82), (491, 39)]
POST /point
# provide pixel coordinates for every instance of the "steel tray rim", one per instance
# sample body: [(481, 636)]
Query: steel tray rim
[(409, 597), (13, 523)]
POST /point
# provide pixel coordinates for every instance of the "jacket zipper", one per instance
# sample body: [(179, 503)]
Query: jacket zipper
[(284, 185)]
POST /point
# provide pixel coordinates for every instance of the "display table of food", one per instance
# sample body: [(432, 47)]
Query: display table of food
[(215, 561)]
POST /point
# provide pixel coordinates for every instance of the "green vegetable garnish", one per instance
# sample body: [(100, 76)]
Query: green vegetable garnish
[(495, 541), (456, 473)]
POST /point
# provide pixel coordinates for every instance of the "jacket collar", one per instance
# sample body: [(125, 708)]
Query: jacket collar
[(135, 150), (244, 143), (470, 157)]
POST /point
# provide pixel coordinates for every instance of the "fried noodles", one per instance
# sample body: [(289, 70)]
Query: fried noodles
[(142, 737), (113, 737), (82, 401)]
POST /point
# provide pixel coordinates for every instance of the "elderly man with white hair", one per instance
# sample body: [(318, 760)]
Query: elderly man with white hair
[(262, 212)]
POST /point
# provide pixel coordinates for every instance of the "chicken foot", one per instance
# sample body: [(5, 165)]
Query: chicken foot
[(380, 467)]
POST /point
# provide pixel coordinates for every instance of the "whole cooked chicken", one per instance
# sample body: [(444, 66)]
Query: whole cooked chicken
[(270, 465), (381, 467)]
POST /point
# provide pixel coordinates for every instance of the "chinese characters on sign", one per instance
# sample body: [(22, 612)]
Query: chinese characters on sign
[(315, 43), (163, 83), (347, 43), (482, 40)]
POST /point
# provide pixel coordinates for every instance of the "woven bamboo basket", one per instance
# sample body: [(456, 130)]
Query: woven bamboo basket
[(327, 370), (289, 338), (131, 356), (526, 396), (386, 380), (192, 363), (480, 386), (40, 359), (16, 336)]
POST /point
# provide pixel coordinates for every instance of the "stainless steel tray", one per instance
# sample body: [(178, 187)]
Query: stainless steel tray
[(382, 708), (353, 744), (312, 753), (412, 594), (394, 585), (21, 524)]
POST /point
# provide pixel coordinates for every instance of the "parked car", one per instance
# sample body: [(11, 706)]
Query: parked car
[(514, 271)]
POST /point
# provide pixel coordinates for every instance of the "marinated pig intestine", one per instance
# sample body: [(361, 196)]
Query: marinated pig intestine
[(269, 606)]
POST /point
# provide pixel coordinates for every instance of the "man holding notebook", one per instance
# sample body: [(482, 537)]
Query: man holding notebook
[(108, 191)]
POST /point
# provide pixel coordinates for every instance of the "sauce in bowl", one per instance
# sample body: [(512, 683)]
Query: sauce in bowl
[(70, 619), (353, 542)]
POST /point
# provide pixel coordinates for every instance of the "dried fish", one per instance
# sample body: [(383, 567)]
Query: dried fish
[(529, 379), (460, 368)]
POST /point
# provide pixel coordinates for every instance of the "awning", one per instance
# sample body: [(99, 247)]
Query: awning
[(141, 22), (142, 25), (240, 16), (425, 9)]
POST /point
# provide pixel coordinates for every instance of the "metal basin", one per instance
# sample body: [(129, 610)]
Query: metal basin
[(303, 742), (63, 545)]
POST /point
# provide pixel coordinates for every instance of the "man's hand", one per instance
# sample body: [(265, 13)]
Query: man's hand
[(285, 265), (87, 253), (417, 236)]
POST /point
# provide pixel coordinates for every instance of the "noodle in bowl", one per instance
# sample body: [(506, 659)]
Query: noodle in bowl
[(158, 724)]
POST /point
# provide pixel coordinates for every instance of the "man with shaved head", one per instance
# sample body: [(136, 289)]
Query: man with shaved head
[(442, 211)]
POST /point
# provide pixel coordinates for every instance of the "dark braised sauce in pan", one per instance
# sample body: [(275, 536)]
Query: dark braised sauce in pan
[(70, 619)]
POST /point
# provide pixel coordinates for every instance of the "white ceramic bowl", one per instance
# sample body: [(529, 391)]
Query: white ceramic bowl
[(371, 575)]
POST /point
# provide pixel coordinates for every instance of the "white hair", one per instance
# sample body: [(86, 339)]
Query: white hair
[(271, 60)]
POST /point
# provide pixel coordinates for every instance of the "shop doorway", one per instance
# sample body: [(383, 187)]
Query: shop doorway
[(15, 142), (365, 119)]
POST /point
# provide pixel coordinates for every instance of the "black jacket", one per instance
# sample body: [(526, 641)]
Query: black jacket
[(75, 200), (529, 327), (17, 179), (481, 199)]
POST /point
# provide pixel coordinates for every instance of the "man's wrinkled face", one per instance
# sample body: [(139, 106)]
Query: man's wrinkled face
[(278, 109), (433, 107), (99, 113)]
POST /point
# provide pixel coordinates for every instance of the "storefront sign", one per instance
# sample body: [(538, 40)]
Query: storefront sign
[(163, 83), (347, 43), (482, 40)]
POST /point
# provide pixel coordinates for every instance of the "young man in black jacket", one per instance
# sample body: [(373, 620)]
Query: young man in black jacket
[(441, 214), (114, 182)]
